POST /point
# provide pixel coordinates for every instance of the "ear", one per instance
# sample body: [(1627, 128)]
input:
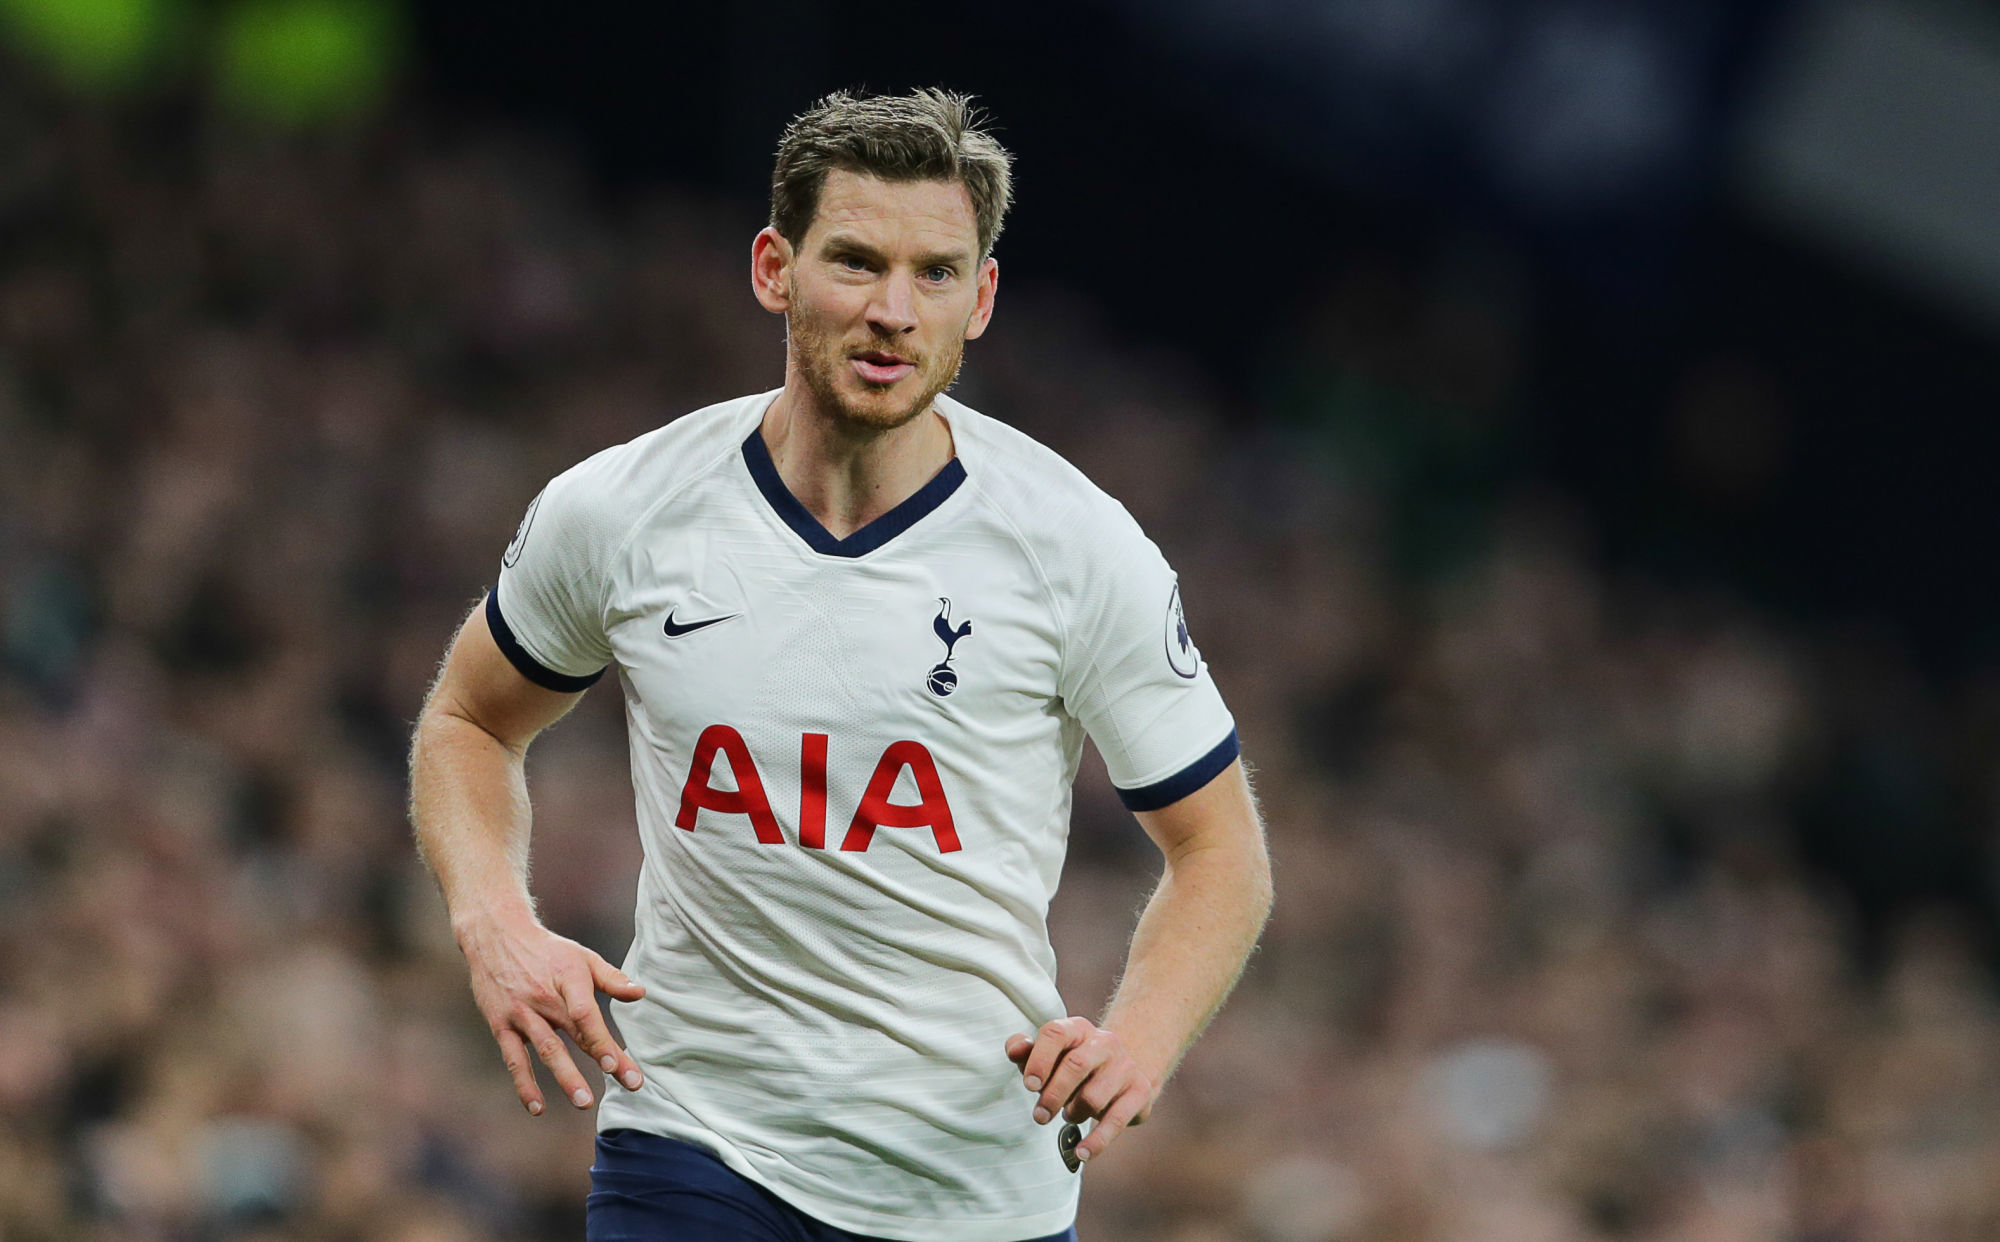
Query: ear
[(770, 271), (982, 310)]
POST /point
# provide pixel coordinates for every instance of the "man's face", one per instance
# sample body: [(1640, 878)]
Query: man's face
[(882, 294)]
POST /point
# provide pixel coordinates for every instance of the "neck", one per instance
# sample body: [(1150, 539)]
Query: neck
[(847, 475)]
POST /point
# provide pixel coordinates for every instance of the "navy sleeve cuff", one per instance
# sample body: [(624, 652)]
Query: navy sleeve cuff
[(1184, 782), (517, 655)]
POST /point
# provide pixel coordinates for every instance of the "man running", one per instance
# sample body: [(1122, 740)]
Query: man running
[(862, 632)]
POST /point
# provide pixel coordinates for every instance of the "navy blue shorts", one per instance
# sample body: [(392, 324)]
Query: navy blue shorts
[(649, 1188)]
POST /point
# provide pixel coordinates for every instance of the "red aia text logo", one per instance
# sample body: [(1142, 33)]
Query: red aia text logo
[(875, 811)]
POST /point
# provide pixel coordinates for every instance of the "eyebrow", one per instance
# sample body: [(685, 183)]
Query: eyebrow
[(955, 259)]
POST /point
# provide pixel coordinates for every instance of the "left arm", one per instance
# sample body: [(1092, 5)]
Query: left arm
[(1192, 941)]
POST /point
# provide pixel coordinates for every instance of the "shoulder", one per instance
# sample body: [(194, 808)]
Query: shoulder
[(1050, 503), (1099, 569), (611, 491)]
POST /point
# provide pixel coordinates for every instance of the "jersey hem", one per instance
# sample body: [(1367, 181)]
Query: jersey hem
[(873, 1225), (528, 666), (1184, 782)]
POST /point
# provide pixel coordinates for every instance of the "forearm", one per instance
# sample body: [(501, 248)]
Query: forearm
[(1192, 942), (469, 807)]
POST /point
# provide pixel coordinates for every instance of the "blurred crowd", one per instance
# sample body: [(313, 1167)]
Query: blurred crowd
[(1544, 967)]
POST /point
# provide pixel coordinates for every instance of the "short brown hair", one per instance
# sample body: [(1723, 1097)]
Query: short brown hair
[(927, 135)]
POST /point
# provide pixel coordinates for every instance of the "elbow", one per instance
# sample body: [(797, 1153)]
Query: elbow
[(1257, 890)]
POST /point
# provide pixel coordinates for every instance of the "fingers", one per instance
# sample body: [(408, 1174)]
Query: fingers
[(1051, 1042), (1111, 1122), (585, 1024), (1065, 1085), (1018, 1048), (1113, 1078), (1080, 1071), (534, 987), (614, 982), (520, 1068), (549, 1047)]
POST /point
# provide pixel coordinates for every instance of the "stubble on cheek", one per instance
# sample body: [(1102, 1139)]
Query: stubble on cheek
[(818, 359)]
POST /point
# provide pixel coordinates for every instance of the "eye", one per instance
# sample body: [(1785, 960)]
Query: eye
[(854, 263), (939, 274)]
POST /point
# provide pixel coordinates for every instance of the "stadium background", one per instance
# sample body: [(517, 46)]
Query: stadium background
[(1571, 422)]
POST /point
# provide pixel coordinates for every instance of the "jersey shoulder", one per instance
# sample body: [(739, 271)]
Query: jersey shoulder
[(613, 490), (1113, 593), (1088, 550), (1046, 499)]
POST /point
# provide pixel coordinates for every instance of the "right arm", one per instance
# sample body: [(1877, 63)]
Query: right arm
[(469, 806)]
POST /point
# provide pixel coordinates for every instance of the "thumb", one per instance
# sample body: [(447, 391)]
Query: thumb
[(612, 981)]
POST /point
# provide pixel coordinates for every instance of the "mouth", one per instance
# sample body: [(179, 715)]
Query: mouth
[(880, 367)]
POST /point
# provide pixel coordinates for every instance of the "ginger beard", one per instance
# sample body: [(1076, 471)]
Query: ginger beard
[(850, 400)]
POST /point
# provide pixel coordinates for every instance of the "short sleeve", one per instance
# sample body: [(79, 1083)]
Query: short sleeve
[(1133, 676), (547, 613)]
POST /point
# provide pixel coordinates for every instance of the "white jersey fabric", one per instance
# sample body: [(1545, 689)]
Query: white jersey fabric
[(852, 760)]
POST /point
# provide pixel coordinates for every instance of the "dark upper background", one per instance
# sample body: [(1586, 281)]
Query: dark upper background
[(1211, 174)]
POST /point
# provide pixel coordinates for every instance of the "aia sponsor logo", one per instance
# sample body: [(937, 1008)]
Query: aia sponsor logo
[(932, 810)]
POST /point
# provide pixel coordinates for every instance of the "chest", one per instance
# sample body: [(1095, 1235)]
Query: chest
[(944, 632)]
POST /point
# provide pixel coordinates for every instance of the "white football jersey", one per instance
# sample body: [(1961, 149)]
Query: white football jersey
[(852, 760)]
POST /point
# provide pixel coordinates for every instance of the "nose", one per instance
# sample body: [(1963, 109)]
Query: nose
[(893, 310)]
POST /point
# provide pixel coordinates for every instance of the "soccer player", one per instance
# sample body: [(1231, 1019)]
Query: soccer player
[(862, 632)]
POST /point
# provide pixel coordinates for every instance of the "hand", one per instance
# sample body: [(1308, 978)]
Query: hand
[(1082, 1070), (530, 983)]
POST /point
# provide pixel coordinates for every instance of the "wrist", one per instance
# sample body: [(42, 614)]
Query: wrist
[(473, 921)]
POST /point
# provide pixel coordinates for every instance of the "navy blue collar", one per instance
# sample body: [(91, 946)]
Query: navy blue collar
[(764, 472)]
